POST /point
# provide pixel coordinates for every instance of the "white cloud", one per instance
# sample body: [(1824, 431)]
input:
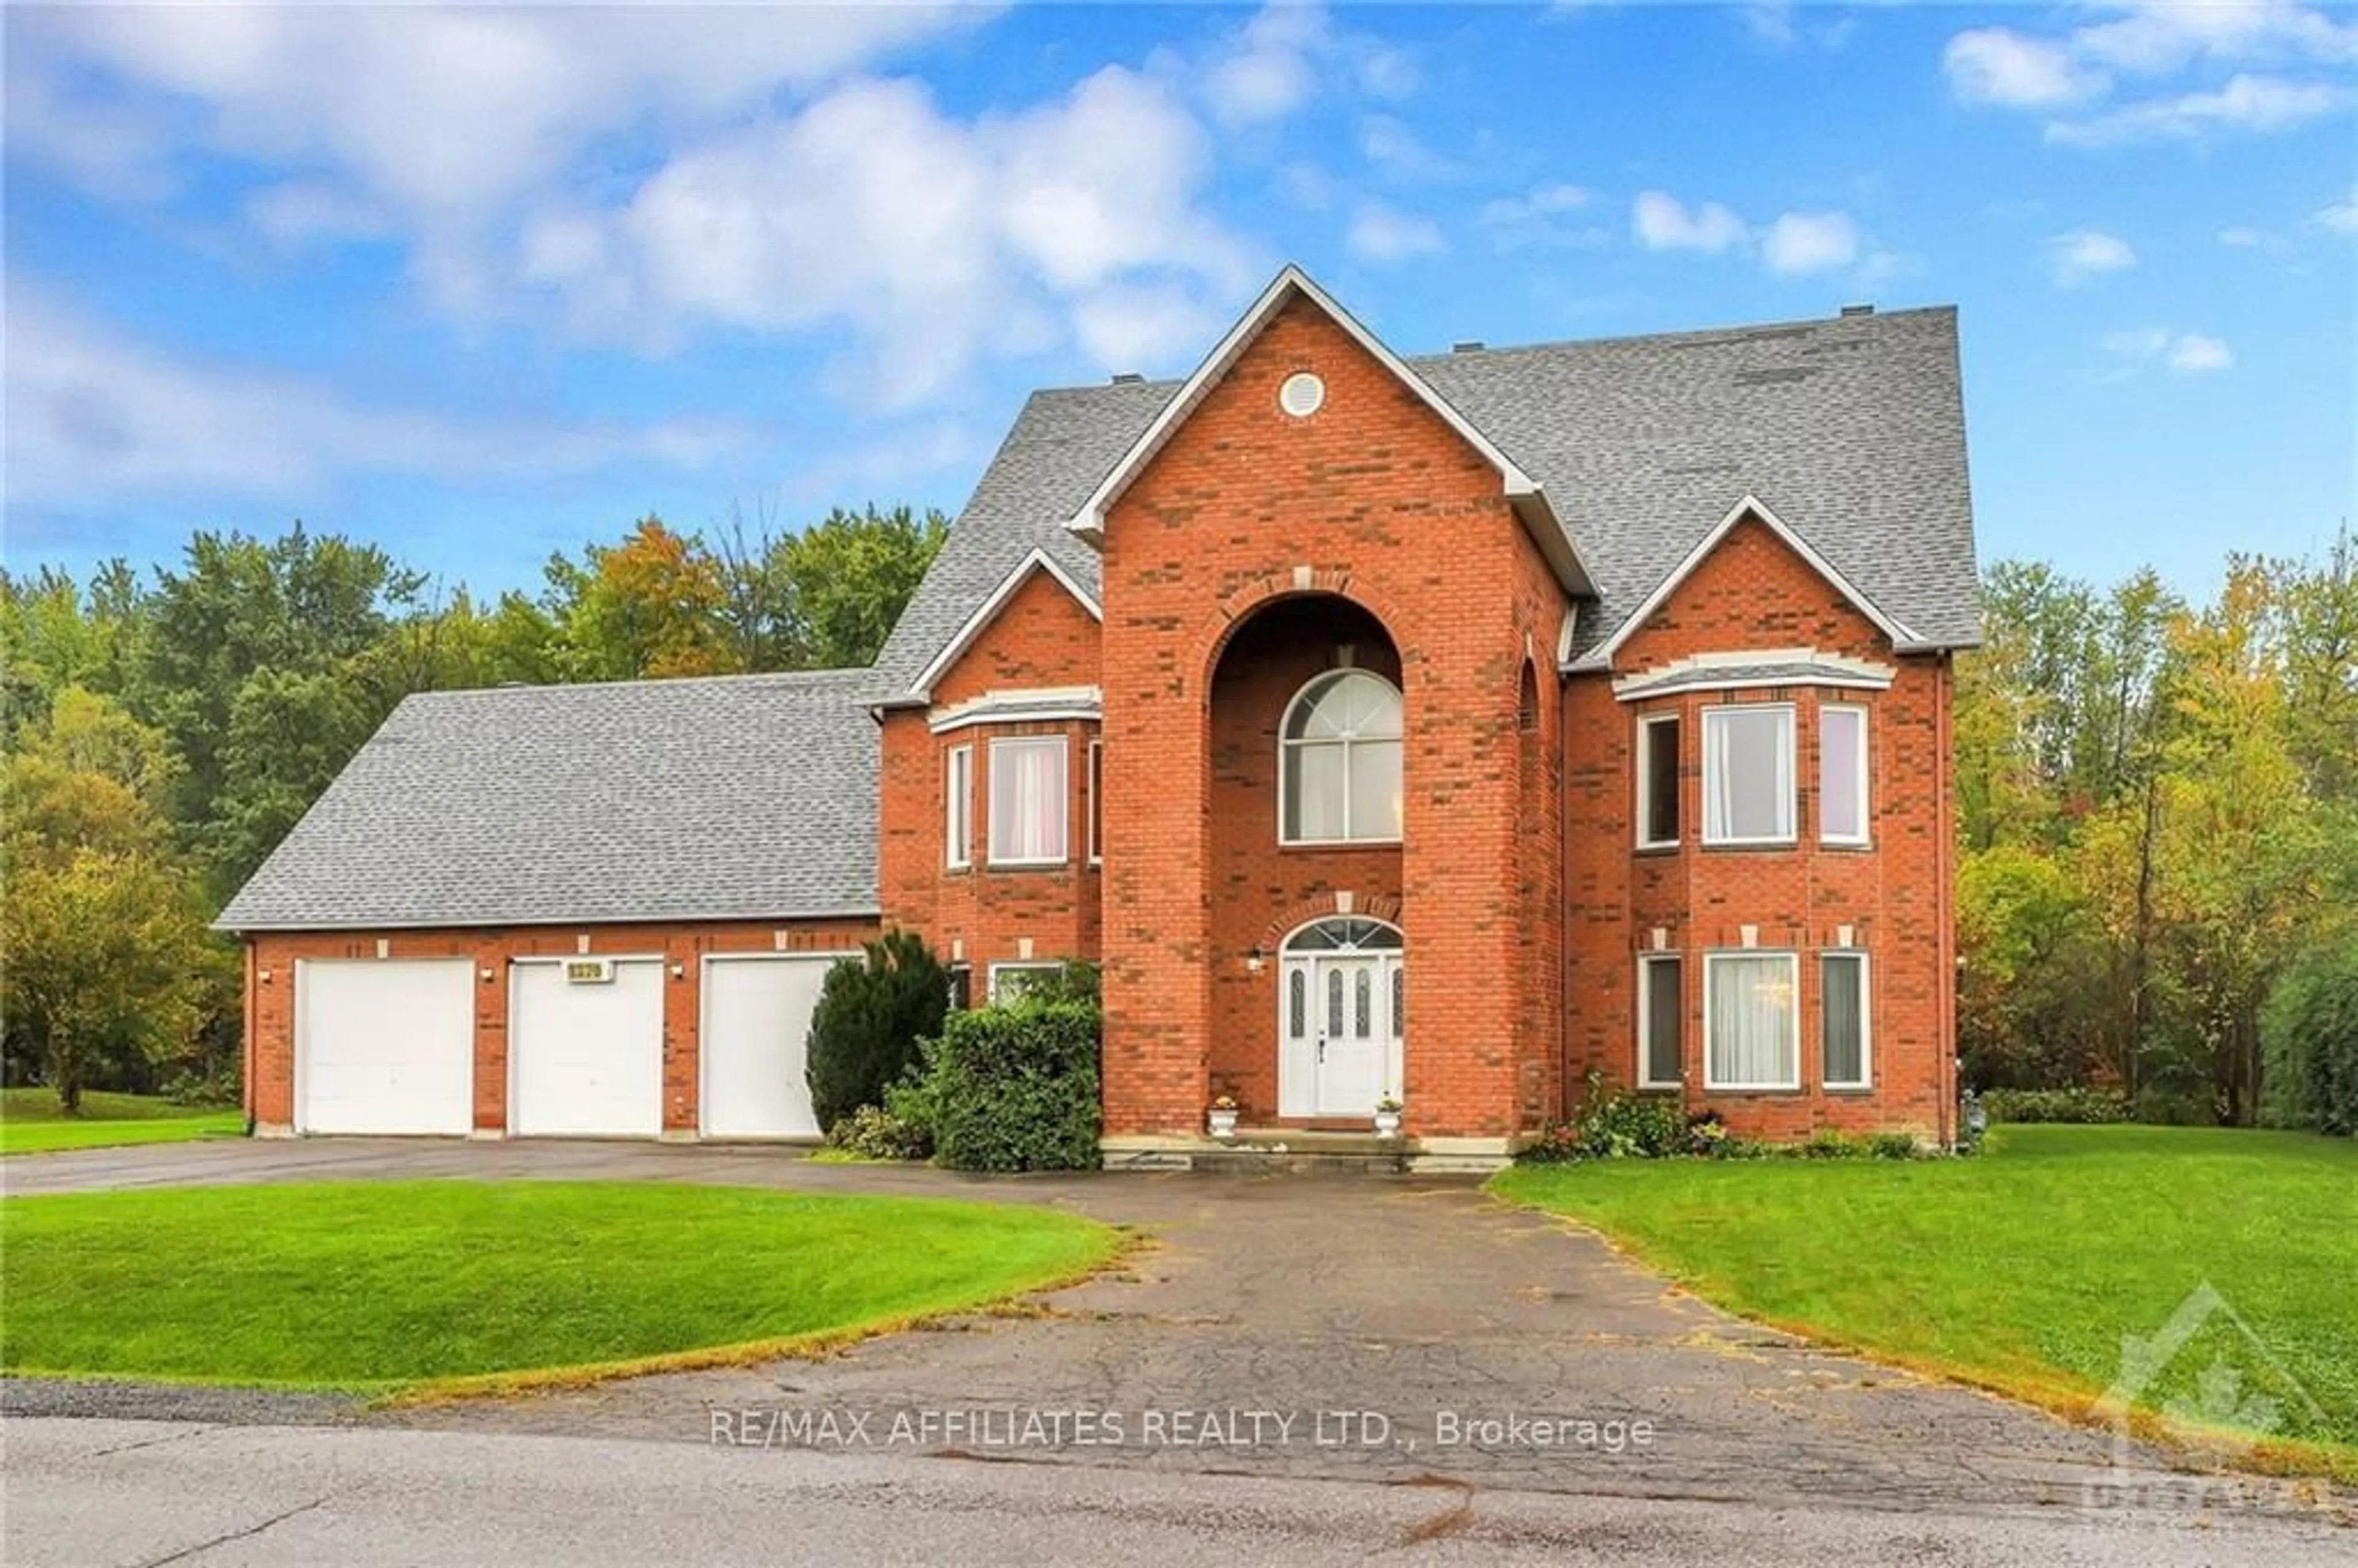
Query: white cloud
[(1999, 66), (2181, 353), (2193, 353), (2137, 48), (1800, 242), (2258, 104), (2084, 254), (1662, 223), (1395, 151), (1382, 234), (1547, 201), (95, 417), (934, 240), (1269, 70), (1543, 215), (1135, 325), (2243, 238), (2341, 217)]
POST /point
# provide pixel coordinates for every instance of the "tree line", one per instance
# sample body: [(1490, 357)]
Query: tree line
[(2158, 796), (165, 730), (2158, 808)]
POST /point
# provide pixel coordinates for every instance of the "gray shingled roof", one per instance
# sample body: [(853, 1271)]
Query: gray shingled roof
[(1711, 676), (751, 796), (1850, 429)]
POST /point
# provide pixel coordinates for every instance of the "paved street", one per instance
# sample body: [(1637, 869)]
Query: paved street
[(1360, 1356), (96, 1494)]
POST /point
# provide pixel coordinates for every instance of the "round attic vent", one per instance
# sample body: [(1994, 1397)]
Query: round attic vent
[(1302, 395)]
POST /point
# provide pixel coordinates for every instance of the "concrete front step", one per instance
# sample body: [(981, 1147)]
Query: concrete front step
[(1289, 1148)]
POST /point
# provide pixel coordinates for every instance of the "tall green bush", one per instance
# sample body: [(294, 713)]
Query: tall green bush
[(2311, 1034), (871, 1015), (1015, 1087)]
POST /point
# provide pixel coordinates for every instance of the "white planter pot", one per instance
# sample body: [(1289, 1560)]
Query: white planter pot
[(1388, 1124), (1224, 1123)]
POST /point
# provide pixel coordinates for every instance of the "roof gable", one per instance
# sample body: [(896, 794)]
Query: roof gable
[(1038, 560), (1523, 493), (1600, 656)]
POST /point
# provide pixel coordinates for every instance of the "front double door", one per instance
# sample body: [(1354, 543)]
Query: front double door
[(1341, 1031)]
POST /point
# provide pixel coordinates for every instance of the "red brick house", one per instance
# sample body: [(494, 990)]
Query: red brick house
[(1438, 729)]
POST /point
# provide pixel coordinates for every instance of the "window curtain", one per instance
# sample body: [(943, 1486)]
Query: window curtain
[(1752, 1034), (1841, 738), (1027, 799), (1845, 1019), (1749, 793)]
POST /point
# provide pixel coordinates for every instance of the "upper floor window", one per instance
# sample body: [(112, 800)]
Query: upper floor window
[(1339, 761), (1748, 774), (957, 806), (1842, 774), (1027, 800), (1658, 781)]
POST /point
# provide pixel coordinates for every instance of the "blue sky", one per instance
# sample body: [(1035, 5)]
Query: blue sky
[(481, 283)]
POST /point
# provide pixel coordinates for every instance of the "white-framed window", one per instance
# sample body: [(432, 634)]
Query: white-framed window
[(1097, 803), (1007, 980), (1658, 781), (1028, 817), (1751, 1010), (957, 806), (1338, 767), (1662, 1021), (1843, 1013), (1747, 774), (1842, 774)]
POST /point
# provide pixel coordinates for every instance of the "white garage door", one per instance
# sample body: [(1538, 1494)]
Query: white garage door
[(385, 1046), (757, 1015), (586, 1056)]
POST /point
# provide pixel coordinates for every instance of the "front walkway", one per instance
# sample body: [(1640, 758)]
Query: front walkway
[(1399, 1329)]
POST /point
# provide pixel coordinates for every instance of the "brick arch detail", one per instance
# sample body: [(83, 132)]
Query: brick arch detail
[(1240, 604), (1325, 906)]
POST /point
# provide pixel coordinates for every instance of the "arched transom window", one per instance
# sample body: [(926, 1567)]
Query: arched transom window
[(1339, 761)]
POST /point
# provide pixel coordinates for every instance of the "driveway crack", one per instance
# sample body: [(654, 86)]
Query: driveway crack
[(277, 1518)]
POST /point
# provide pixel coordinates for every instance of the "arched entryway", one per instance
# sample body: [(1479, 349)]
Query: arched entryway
[(1340, 1038)]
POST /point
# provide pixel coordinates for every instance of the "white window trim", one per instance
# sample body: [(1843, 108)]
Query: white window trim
[(1645, 770), (1866, 1079), (1646, 1020), (1866, 834), (1017, 967), (1710, 962), (1065, 808), (1287, 747), (958, 808), (1090, 782), (1712, 744)]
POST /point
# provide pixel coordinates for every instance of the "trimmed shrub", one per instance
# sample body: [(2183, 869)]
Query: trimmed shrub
[(870, 1017), (1014, 1088), (877, 1134), (1613, 1124), (2076, 1105), (2310, 1033)]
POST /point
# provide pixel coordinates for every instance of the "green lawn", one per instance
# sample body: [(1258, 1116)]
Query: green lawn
[(378, 1285), (2024, 1268), (31, 1123)]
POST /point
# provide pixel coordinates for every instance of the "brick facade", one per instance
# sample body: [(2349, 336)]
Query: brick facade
[(1252, 552)]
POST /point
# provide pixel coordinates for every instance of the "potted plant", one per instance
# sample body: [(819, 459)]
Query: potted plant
[(1388, 1115), (1223, 1116)]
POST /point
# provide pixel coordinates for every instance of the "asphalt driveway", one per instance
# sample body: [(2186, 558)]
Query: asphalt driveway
[(1395, 1329)]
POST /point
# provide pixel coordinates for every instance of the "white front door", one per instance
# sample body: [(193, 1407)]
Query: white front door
[(585, 1049), (1339, 1034)]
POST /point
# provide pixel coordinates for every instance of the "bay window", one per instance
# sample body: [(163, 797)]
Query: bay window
[(1843, 1012), (1027, 800), (1748, 774), (1842, 774), (1751, 1037), (1658, 781)]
